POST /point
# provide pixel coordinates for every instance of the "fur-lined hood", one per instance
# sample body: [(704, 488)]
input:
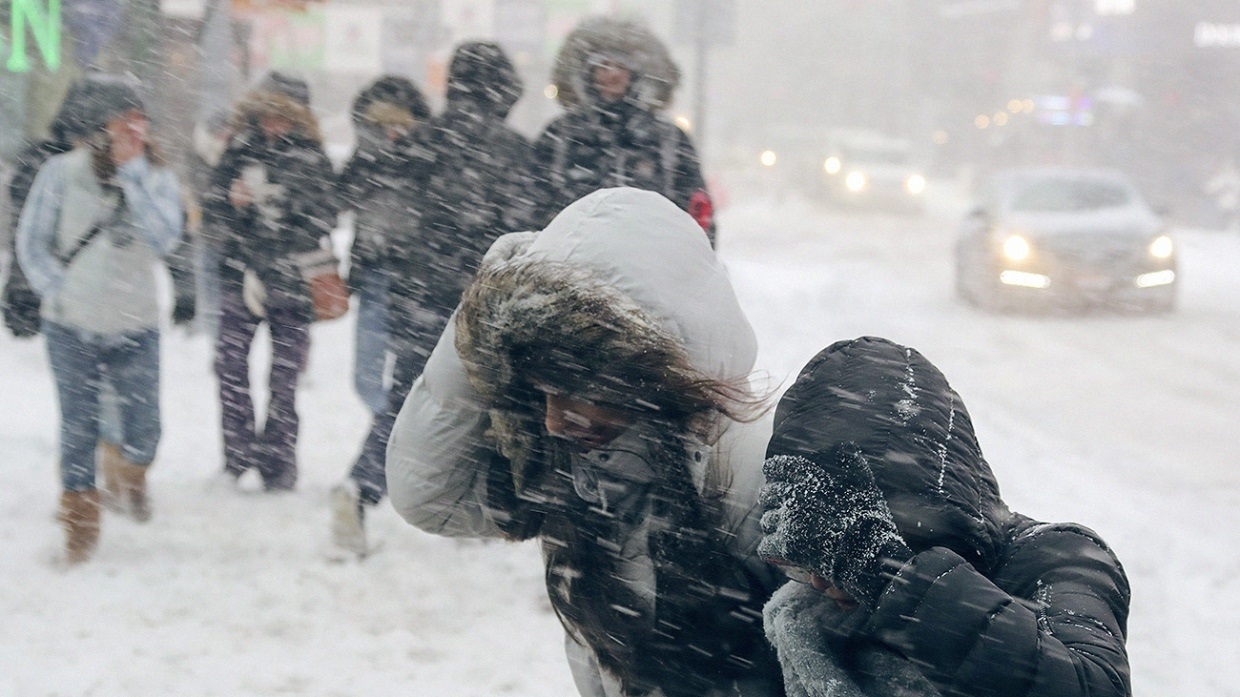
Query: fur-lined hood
[(262, 102), (619, 286), (482, 75), (655, 75)]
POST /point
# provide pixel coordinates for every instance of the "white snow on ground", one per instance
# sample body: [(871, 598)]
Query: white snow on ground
[(1123, 423)]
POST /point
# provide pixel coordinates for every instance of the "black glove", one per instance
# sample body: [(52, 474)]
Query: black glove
[(831, 518), (183, 311), (21, 305)]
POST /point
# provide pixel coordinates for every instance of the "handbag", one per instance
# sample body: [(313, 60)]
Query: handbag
[(329, 295)]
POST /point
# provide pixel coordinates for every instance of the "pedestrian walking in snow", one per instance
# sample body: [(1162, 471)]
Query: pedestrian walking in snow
[(97, 220), (614, 78), (377, 184), (592, 392), (917, 579), (466, 172), (272, 197)]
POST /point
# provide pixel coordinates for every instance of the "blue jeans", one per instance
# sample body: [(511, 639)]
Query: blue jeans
[(371, 341), (81, 361), (207, 287)]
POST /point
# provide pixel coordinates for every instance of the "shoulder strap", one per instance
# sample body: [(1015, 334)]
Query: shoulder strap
[(72, 253)]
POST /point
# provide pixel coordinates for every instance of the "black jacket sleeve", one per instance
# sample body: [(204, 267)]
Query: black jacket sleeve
[(1057, 631), (541, 190)]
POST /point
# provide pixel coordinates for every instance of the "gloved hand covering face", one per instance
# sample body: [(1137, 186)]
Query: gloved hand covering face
[(828, 517)]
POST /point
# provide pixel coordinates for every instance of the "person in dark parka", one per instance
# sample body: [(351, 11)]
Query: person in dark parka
[(469, 169), (919, 580), (613, 78), (376, 185), (272, 195)]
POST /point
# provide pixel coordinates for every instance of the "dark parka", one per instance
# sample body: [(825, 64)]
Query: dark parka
[(993, 602), (597, 145), (379, 182), (301, 214), (470, 168)]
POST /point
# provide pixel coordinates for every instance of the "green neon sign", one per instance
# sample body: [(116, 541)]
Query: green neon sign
[(43, 23)]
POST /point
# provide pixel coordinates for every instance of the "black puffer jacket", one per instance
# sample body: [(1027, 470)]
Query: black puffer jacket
[(596, 145), (993, 603), (379, 182), (301, 210), (470, 168)]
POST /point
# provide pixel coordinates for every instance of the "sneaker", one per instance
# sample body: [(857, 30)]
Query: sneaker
[(348, 519)]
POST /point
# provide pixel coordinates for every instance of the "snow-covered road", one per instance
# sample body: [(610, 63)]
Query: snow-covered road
[(1123, 423)]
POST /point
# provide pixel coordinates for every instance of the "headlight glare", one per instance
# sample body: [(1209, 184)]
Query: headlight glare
[(1162, 247), (832, 165), (1016, 248), (856, 182), (915, 184)]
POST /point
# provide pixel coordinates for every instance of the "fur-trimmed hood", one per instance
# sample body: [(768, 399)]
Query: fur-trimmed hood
[(633, 44), (261, 102), (899, 409), (482, 75)]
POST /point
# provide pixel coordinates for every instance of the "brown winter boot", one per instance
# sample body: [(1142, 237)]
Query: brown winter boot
[(133, 495), (79, 514), (110, 460)]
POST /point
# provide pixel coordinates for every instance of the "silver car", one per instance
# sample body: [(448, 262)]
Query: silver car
[(1064, 238)]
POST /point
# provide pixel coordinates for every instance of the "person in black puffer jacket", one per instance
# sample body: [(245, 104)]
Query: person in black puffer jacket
[(468, 170), (918, 579), (273, 195), (613, 77)]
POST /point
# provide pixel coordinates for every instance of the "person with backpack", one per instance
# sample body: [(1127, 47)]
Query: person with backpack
[(613, 78), (97, 219), (377, 186), (272, 196), (916, 578), (468, 169)]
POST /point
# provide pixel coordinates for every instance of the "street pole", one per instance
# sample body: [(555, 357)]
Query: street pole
[(699, 79)]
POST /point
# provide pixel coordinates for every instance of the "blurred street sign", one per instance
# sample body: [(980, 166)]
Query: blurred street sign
[(520, 25), (713, 22)]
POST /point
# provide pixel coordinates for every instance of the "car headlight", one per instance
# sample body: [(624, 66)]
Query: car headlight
[(856, 182), (768, 158), (832, 165), (1016, 248), (1162, 247), (915, 184)]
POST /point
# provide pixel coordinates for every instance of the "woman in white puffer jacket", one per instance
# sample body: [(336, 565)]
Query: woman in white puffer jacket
[(593, 392)]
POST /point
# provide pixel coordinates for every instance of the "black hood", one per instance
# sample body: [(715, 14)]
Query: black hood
[(900, 411), (482, 75)]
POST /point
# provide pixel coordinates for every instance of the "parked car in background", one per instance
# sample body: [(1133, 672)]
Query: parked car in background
[(867, 169), (1073, 238)]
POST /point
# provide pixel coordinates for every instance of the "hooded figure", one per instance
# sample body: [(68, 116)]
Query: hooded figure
[(591, 394), (96, 221), (465, 172), (271, 198), (919, 580), (379, 186), (613, 77)]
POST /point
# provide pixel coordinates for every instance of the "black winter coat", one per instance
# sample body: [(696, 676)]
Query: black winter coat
[(470, 170), (992, 603), (594, 147), (299, 217)]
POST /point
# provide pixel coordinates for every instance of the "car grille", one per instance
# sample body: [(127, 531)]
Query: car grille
[(1095, 250)]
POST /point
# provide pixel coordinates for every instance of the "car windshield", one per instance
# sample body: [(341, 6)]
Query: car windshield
[(1070, 194)]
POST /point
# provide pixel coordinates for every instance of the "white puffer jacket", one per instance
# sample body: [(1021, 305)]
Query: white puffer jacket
[(641, 244)]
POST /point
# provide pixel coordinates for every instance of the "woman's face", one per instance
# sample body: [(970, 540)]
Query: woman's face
[(585, 423)]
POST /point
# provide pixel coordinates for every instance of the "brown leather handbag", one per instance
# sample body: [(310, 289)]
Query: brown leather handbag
[(328, 292)]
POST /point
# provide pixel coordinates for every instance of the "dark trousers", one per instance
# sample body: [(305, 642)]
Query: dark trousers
[(414, 331), (273, 449)]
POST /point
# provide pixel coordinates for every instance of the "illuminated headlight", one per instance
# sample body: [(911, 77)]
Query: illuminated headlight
[(832, 165), (768, 158), (1024, 279), (1162, 247), (1016, 248), (856, 182), (1157, 278), (915, 184)]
